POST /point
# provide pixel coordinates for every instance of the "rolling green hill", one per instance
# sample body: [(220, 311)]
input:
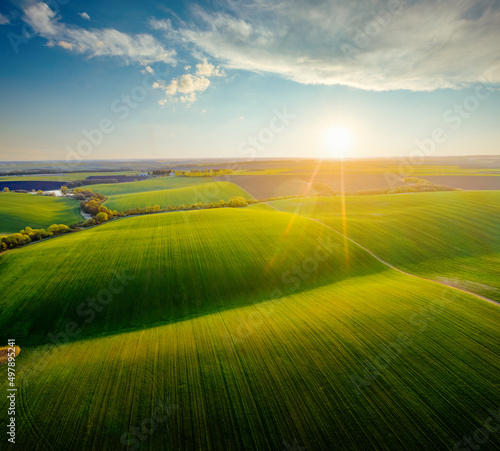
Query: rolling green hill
[(448, 236), (20, 210), (242, 329), (203, 192), (182, 264), (165, 191), (366, 363), (154, 184)]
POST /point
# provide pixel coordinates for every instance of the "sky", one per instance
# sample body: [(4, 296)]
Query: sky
[(248, 79)]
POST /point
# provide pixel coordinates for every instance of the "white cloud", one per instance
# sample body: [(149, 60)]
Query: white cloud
[(190, 98), (3, 20), (65, 45), (164, 24), (185, 87), (209, 70), (147, 70), (140, 48), (84, 16), (422, 45)]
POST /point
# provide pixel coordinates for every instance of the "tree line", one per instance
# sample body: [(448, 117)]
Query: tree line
[(204, 172), (28, 235)]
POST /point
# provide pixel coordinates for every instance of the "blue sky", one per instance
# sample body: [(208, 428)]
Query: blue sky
[(207, 79)]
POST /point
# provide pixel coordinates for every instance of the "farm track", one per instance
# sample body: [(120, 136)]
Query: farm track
[(386, 263)]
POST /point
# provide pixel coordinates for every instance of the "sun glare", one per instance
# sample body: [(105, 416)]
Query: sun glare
[(338, 141)]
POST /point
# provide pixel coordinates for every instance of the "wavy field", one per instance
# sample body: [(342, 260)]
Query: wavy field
[(165, 191), (20, 210), (202, 192), (374, 362), (448, 236), (182, 264), (154, 184), (239, 329)]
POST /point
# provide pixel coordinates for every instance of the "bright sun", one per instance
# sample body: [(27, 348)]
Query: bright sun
[(338, 140)]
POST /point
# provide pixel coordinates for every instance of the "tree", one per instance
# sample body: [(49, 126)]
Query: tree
[(101, 217), (40, 192), (53, 229), (237, 202), (64, 189), (6, 190)]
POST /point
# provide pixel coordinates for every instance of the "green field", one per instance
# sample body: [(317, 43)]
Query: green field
[(153, 184), (212, 318), (165, 191), (183, 264), (449, 236), (20, 210)]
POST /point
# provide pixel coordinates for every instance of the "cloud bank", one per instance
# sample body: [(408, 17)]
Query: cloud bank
[(140, 48), (378, 45)]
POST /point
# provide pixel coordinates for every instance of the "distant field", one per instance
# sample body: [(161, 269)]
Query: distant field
[(195, 323), (62, 177), (447, 235), (153, 184), (20, 210), (48, 182), (167, 191), (287, 184)]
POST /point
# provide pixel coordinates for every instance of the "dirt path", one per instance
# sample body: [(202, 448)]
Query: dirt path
[(491, 301)]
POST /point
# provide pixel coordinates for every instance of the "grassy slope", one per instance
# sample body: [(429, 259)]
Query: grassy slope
[(183, 264), (449, 235), (204, 192), (155, 184), (20, 210), (166, 191), (243, 376), (283, 373)]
